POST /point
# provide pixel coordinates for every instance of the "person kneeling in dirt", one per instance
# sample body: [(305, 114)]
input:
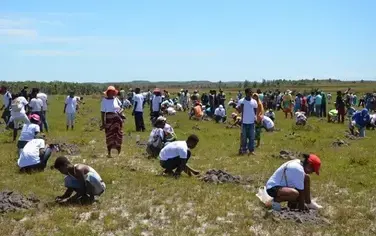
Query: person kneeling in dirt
[(157, 138), (175, 155), (291, 183), (220, 114), (196, 112), (333, 116), (236, 120), (301, 118), (29, 131), (268, 124), (34, 155), (80, 178), (359, 122), (169, 132)]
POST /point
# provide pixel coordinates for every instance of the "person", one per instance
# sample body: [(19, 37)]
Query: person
[(311, 103), (248, 109), (43, 97), (157, 138), (372, 122), (23, 93), (29, 131), (298, 102), (260, 107), (333, 116), (155, 108), (221, 97), (237, 120), (170, 135), (220, 114), (79, 178), (267, 124), (36, 105), (174, 156), (138, 110), (122, 95), (359, 121), (318, 101), (7, 101), (240, 95), (34, 156), (204, 99), (329, 96), (196, 112), (258, 130), (340, 106), (291, 183), (70, 108), (270, 113), (18, 114), (287, 104), (112, 120), (301, 118), (350, 112)]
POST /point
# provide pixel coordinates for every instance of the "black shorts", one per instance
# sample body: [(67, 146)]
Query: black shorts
[(273, 191)]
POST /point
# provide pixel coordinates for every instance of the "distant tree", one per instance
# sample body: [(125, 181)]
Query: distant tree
[(220, 84), (246, 84), (240, 85), (254, 84), (330, 80), (362, 81), (263, 83)]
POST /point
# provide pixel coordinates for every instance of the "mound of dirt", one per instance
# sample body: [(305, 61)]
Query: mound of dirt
[(11, 201), (292, 135), (220, 176), (351, 137), (309, 217), (68, 148), (288, 155), (340, 143)]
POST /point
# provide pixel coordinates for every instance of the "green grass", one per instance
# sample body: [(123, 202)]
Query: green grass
[(137, 201)]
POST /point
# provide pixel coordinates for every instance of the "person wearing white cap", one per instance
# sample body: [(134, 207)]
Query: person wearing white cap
[(220, 114), (157, 138)]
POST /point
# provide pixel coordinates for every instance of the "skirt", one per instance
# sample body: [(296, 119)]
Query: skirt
[(114, 130)]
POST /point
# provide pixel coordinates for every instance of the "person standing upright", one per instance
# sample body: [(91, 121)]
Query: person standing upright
[(318, 101), (7, 101), (138, 110), (36, 107), (70, 108), (340, 106), (156, 102), (323, 105), (248, 108), (43, 118)]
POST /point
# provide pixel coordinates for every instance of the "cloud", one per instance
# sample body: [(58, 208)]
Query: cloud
[(41, 52), (11, 23), (19, 32)]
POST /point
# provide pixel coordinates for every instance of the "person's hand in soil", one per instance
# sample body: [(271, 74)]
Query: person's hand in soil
[(59, 199)]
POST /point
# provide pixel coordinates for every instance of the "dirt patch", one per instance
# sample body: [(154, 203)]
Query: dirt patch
[(309, 217), (288, 155), (68, 148), (92, 124), (11, 201), (196, 127), (292, 135), (220, 176), (340, 143), (350, 136)]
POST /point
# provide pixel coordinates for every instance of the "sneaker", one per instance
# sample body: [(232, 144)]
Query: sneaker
[(276, 206), (314, 206)]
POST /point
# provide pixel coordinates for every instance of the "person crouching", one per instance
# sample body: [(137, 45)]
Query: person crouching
[(291, 183), (80, 178), (174, 157), (29, 131), (220, 114), (156, 139)]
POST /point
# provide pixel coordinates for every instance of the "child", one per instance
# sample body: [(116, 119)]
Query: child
[(80, 178)]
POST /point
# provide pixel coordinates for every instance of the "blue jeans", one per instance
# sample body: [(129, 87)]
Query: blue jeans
[(248, 137)]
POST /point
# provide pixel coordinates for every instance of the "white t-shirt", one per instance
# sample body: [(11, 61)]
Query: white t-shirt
[(267, 122), (292, 178), (168, 129), (110, 105), (22, 102), (312, 99), (174, 149), (140, 102), (30, 153), (373, 119), (220, 112), (156, 131), (71, 105), (171, 111), (155, 103), (249, 115), (239, 103), (43, 97), (36, 104), (6, 97), (28, 132)]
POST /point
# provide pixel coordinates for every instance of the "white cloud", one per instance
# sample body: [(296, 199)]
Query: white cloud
[(19, 32), (41, 52)]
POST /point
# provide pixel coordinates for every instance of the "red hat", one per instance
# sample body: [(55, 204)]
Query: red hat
[(156, 90), (315, 163), (35, 117)]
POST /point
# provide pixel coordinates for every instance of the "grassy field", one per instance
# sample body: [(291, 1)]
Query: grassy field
[(139, 202)]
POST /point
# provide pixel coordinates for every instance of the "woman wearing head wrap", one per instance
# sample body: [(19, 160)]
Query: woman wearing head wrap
[(112, 120), (287, 103)]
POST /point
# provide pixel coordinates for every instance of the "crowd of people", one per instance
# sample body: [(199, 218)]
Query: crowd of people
[(252, 113)]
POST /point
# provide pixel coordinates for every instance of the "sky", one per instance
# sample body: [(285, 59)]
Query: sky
[(184, 40)]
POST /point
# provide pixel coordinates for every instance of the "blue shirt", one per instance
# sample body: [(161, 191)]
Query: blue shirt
[(361, 118), (318, 99)]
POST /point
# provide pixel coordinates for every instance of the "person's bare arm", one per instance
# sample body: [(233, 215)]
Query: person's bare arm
[(81, 171), (301, 200), (65, 106), (66, 195)]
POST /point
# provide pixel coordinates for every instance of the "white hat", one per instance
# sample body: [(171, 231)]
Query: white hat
[(220, 106), (161, 118)]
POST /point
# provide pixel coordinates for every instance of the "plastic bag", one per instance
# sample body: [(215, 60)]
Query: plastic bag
[(264, 196)]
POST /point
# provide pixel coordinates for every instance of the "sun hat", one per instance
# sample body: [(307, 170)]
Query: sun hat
[(220, 106), (110, 88), (161, 118), (35, 117), (315, 162)]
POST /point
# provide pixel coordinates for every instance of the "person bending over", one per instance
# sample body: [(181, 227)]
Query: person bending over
[(80, 178), (174, 157), (34, 155), (29, 131), (291, 183), (220, 114)]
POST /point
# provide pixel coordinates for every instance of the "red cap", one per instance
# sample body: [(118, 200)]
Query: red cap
[(315, 162)]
